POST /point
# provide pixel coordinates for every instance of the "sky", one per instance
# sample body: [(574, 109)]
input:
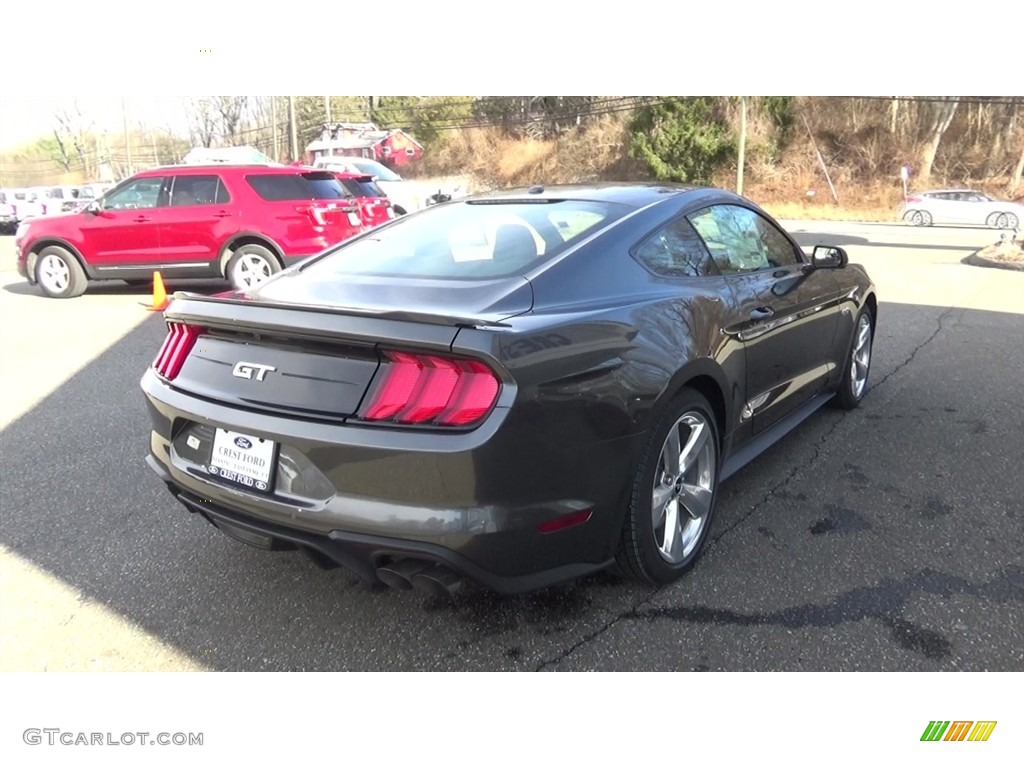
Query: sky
[(27, 118)]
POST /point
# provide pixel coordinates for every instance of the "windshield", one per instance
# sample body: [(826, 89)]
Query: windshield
[(373, 168), (468, 241)]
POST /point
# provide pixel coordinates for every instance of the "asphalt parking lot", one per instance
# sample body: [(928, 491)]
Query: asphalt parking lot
[(888, 538)]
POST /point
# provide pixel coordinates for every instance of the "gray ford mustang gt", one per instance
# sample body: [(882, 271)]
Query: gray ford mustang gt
[(512, 389)]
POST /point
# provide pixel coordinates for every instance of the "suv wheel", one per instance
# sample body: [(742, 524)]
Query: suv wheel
[(59, 274), (251, 265)]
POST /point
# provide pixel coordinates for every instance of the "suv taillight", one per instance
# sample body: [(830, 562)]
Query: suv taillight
[(179, 342), (429, 389), (912, 199)]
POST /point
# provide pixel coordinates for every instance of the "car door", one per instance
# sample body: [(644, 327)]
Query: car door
[(786, 313), (196, 222), (942, 206), (124, 231)]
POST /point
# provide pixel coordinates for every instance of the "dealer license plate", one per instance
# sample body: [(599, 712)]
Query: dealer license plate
[(242, 459)]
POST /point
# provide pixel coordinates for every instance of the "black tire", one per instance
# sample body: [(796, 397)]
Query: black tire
[(640, 556), (848, 394), (59, 274), (243, 262), (926, 219)]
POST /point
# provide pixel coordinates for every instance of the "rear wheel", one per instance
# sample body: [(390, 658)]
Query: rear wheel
[(992, 220), (59, 274), (914, 217), (926, 219), (673, 493), (251, 265)]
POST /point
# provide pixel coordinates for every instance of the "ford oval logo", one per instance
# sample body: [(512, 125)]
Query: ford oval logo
[(243, 443)]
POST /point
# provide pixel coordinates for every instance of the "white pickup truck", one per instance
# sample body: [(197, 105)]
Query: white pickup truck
[(406, 195)]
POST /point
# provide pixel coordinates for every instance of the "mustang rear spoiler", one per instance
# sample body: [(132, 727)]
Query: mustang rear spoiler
[(212, 302)]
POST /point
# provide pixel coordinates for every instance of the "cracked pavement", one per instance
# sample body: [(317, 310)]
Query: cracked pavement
[(887, 538)]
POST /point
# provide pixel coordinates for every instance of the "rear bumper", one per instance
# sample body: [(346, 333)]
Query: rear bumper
[(362, 553), (465, 504)]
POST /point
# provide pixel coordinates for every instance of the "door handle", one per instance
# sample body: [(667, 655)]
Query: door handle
[(221, 215), (140, 219), (761, 313)]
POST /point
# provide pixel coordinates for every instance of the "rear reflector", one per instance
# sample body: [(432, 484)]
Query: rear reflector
[(566, 521), (428, 389), (176, 347)]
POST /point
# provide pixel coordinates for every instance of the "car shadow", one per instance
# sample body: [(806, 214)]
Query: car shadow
[(79, 502), (120, 288)]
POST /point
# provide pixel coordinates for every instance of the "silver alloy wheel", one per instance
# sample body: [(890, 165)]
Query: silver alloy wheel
[(250, 270), (861, 357), (54, 273), (926, 219), (683, 483), (917, 219), (1001, 221), (1011, 220)]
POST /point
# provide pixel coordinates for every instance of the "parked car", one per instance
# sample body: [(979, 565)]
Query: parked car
[(512, 389), (240, 222), (960, 206), (8, 211), (375, 207), (406, 196)]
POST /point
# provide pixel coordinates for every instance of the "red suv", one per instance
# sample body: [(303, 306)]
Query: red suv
[(374, 206), (243, 223)]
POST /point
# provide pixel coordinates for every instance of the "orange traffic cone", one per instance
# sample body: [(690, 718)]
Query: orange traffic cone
[(159, 294)]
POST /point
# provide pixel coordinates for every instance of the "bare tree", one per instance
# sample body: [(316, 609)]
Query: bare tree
[(942, 115), (231, 110), (205, 121), (72, 134), (1018, 171)]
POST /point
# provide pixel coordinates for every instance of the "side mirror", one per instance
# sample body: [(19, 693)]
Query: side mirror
[(94, 207), (829, 257)]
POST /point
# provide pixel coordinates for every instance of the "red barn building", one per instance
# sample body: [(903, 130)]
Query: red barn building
[(393, 147)]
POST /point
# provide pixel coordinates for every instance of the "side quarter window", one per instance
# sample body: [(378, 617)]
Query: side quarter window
[(675, 250), (741, 240)]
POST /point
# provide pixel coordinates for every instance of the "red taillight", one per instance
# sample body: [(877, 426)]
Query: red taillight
[(912, 199), (427, 389), (179, 342), (317, 215)]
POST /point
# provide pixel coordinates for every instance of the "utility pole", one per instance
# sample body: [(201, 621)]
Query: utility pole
[(743, 145), (127, 139), (327, 104), (273, 126), (294, 129)]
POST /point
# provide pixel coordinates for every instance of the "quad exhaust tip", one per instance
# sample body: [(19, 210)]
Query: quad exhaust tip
[(425, 577)]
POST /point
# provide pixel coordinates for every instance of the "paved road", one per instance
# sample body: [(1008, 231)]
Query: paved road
[(889, 538)]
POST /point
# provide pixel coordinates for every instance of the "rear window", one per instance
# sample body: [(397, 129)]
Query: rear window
[(315, 185), (469, 241), (359, 188)]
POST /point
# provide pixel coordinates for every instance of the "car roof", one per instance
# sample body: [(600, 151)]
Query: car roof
[(190, 169), (946, 191)]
